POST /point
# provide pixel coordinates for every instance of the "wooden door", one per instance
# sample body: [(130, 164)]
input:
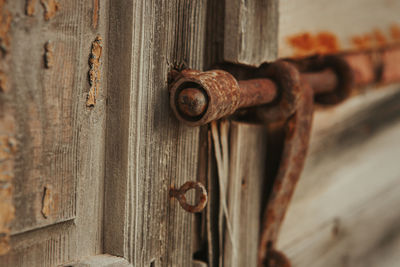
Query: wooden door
[(88, 134), (90, 146)]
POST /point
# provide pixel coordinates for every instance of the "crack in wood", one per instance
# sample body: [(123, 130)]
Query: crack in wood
[(48, 202), (48, 54)]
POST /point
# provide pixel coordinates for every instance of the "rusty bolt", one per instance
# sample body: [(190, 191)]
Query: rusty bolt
[(179, 194), (192, 102)]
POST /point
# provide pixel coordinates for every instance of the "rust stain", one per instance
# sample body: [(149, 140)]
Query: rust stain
[(379, 37), (50, 8), (30, 7), (362, 42), (48, 55), (94, 71), (96, 8), (308, 44), (395, 32), (376, 38), (47, 202)]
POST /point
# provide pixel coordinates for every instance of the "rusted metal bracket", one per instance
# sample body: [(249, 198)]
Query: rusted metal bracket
[(284, 92)]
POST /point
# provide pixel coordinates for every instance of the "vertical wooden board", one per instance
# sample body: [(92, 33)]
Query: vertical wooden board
[(248, 146), (344, 211), (46, 116), (148, 150), (8, 144), (251, 30), (307, 27), (51, 108)]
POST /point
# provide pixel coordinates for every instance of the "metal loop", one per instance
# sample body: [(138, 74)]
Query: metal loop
[(287, 78), (179, 194), (340, 67), (345, 78)]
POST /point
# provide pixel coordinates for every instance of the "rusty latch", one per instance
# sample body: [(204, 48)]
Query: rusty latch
[(285, 92)]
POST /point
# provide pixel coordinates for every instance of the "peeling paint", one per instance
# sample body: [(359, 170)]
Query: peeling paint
[(307, 43), (30, 7), (50, 8), (48, 55), (96, 8), (94, 71), (47, 201)]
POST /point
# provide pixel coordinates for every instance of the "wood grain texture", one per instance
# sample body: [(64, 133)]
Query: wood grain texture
[(102, 260), (248, 150), (345, 208), (251, 31), (8, 142), (62, 141), (353, 25), (147, 149)]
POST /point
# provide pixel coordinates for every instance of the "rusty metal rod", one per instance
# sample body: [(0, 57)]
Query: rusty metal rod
[(200, 97), (324, 81)]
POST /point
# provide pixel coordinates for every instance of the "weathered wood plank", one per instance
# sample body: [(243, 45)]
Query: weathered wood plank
[(147, 149), (8, 144), (345, 208), (46, 118), (45, 247), (307, 27), (246, 180), (62, 140), (251, 31), (103, 260)]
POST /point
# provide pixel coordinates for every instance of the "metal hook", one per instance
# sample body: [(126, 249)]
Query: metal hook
[(179, 194)]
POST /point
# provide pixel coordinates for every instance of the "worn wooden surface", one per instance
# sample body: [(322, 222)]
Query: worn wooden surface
[(307, 27), (248, 151), (59, 168), (345, 208), (8, 144), (257, 31), (147, 149), (251, 31), (102, 260)]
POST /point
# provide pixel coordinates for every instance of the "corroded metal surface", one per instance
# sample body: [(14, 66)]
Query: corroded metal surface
[(220, 88), (331, 77), (287, 77), (282, 92), (179, 194), (297, 134)]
